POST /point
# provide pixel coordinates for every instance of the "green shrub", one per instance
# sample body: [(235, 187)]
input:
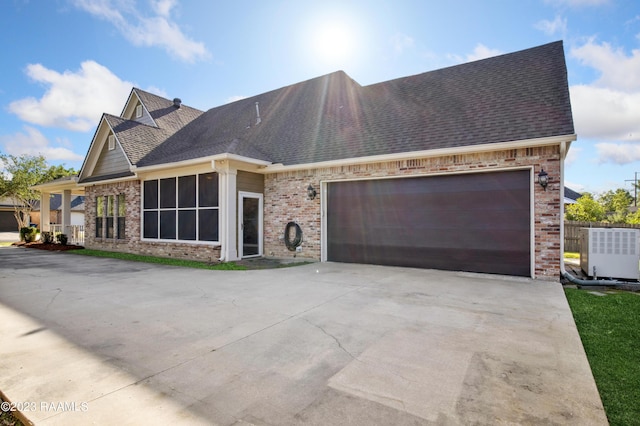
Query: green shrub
[(28, 233), (62, 239), (47, 237)]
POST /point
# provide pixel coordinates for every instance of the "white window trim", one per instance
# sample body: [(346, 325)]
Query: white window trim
[(112, 142), (139, 111), (176, 209)]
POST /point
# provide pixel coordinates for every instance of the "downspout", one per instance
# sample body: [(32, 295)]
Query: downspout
[(565, 274)]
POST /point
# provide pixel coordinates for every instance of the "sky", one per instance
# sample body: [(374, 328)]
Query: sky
[(66, 62)]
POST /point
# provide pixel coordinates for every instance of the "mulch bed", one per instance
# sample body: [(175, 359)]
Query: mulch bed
[(51, 247)]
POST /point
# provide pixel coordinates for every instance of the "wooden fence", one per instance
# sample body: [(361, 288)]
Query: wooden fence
[(572, 232)]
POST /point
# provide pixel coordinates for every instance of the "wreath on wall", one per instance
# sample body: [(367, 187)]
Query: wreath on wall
[(292, 239)]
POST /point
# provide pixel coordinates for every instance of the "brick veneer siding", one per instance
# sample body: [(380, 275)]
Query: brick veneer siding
[(132, 242), (285, 198)]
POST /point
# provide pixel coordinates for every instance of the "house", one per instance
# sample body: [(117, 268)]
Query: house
[(570, 196), (55, 208), (436, 170), (8, 222)]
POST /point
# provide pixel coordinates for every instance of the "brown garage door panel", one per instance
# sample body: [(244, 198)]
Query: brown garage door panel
[(8, 222), (475, 222)]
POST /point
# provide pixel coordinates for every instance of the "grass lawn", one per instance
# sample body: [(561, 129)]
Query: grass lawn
[(229, 266), (609, 327)]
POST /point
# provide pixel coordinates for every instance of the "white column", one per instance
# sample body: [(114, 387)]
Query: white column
[(230, 227), (227, 191), (66, 211), (45, 214)]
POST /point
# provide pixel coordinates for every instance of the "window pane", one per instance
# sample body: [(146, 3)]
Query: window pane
[(187, 191), (99, 206), (121, 228), (168, 225), (99, 227), (151, 194), (186, 224), (167, 193), (110, 206), (208, 225), (208, 190), (150, 224), (122, 208), (109, 227)]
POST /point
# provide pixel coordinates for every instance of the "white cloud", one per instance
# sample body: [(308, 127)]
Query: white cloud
[(157, 91), (163, 7), (609, 114), (608, 110), (234, 98), (479, 52), (33, 142), (158, 30), (482, 52), (618, 70), (618, 153), (73, 100), (572, 155), (578, 187), (401, 42), (557, 26)]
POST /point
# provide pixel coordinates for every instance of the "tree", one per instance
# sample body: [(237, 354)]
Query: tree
[(20, 174), (616, 204), (585, 209)]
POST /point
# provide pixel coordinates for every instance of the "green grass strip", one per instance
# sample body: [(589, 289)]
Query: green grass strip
[(609, 327), (229, 266), (571, 255)]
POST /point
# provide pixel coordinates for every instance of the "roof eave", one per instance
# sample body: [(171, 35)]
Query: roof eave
[(59, 186), (201, 160)]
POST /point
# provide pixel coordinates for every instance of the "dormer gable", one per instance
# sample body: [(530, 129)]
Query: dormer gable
[(136, 110)]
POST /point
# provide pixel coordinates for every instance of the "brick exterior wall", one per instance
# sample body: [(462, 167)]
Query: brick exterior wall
[(285, 198), (132, 242)]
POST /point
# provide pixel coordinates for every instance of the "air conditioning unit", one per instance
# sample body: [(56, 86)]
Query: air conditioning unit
[(610, 252)]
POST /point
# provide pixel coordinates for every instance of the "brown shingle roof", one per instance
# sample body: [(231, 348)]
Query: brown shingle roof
[(138, 139), (517, 96)]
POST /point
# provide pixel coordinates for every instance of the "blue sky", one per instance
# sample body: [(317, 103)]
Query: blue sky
[(65, 62)]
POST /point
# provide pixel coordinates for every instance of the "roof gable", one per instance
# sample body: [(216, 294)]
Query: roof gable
[(135, 138)]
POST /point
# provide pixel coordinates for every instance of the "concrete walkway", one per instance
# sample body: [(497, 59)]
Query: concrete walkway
[(99, 341)]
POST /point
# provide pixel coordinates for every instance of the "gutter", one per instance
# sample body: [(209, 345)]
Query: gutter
[(487, 147), (200, 160)]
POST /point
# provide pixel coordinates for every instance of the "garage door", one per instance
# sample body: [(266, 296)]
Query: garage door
[(477, 222), (8, 222)]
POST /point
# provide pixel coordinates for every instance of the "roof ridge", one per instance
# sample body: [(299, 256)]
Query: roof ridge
[(472, 63)]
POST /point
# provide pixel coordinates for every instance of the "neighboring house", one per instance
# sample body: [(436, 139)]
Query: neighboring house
[(8, 222), (571, 196), (436, 170), (55, 209)]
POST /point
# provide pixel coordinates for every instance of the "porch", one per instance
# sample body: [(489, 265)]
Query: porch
[(74, 233), (64, 222)]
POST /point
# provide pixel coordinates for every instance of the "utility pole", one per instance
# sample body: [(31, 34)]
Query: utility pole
[(635, 189)]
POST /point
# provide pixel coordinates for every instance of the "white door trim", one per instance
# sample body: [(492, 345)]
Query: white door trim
[(241, 196)]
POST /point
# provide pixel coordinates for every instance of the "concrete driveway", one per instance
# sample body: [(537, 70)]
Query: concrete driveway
[(99, 341)]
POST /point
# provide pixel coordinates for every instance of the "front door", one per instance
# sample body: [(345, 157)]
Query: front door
[(250, 224)]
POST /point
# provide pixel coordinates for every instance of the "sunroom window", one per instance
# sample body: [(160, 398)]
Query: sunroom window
[(183, 208)]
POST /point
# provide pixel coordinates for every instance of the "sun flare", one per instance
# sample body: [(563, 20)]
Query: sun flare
[(333, 43)]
